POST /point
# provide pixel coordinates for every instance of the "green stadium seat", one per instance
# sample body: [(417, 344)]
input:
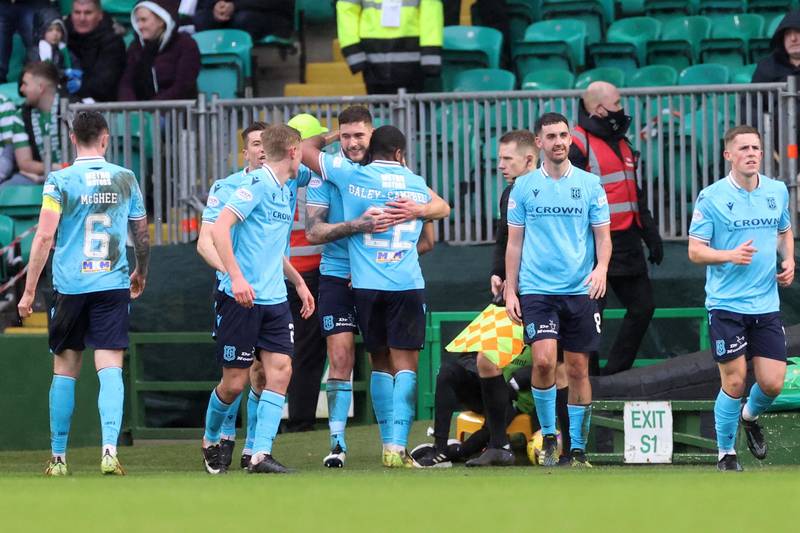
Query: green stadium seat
[(714, 7), (128, 38), (484, 79), (742, 74), (551, 44), (705, 74), (679, 45), (11, 91), (548, 79), (730, 35), (316, 12), (222, 79), (631, 8), (761, 47), (612, 75), (653, 76), (625, 46), (778, 7), (469, 47), (596, 14), (21, 201), (520, 14), (666, 10), (118, 7), (225, 47)]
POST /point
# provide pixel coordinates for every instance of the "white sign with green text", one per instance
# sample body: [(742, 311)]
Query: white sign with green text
[(648, 432)]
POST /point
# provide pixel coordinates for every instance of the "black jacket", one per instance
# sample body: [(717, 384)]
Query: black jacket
[(776, 66), (499, 262), (627, 256), (101, 53)]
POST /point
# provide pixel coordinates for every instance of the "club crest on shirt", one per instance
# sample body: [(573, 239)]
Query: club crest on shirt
[(771, 203), (576, 193)]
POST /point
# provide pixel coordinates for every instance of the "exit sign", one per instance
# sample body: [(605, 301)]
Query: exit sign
[(648, 432)]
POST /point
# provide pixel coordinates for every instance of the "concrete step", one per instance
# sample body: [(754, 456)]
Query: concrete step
[(335, 73), (25, 331), (36, 320)]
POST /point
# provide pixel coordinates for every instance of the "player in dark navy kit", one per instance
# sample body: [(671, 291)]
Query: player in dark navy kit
[(558, 223), (738, 224), (253, 316), (91, 204)]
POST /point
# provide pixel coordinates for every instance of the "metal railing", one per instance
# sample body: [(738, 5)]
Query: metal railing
[(178, 148)]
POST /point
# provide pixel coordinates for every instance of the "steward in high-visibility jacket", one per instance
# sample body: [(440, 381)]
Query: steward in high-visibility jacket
[(396, 43), (599, 145)]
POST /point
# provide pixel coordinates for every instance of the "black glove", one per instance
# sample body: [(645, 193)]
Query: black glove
[(656, 247)]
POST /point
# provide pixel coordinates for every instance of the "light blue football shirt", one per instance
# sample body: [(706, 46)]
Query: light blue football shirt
[(385, 261), (218, 196), (558, 216), (263, 206), (725, 216), (335, 258), (97, 200)]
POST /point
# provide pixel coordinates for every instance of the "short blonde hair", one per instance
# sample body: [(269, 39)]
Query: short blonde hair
[(277, 139)]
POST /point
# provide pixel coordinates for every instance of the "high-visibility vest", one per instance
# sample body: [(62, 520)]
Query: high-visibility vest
[(305, 256), (395, 50), (618, 176)]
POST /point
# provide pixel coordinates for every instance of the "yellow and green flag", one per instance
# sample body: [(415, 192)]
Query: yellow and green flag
[(493, 334)]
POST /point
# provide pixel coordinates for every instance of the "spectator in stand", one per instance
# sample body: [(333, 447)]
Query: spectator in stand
[(784, 60), (51, 45), (35, 120), (395, 44), (163, 63), (7, 163), (100, 51), (16, 16), (257, 17)]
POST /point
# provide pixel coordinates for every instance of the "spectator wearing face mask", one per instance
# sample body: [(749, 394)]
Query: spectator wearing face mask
[(599, 145), (163, 63)]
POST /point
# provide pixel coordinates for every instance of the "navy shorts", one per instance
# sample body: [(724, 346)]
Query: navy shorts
[(394, 319), (573, 319), (336, 306), (98, 319), (241, 331), (736, 334), (217, 298)]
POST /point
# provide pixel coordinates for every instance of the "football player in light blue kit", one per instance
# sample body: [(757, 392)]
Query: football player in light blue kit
[(91, 204), (386, 277), (253, 316), (558, 222), (218, 196), (325, 223), (738, 224)]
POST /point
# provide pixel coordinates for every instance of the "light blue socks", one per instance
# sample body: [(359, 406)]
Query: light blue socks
[(404, 402), (726, 422), (252, 420), (757, 403), (228, 431), (545, 401), (215, 415), (109, 402), (270, 410), (580, 417), (340, 394), (62, 403), (381, 388)]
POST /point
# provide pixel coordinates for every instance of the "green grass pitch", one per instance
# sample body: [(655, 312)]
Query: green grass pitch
[(167, 490)]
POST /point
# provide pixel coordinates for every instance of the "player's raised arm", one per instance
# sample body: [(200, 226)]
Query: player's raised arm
[(40, 250), (221, 235), (141, 249), (313, 146)]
